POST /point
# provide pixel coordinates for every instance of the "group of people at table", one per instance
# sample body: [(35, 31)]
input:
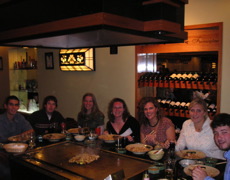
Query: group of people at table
[(198, 133)]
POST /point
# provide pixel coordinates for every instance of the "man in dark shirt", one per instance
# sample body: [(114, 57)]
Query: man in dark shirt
[(11, 122), (47, 120)]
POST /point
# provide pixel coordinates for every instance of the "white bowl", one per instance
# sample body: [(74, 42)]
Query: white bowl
[(79, 137), (15, 147), (154, 155), (186, 162)]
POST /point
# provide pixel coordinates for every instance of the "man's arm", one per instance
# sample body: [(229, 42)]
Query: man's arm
[(27, 132)]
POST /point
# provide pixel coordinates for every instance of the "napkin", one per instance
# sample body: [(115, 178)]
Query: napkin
[(127, 132)]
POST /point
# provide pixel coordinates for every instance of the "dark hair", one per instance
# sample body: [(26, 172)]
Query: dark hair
[(49, 98), (95, 108), (125, 114), (141, 115), (222, 119), (11, 98)]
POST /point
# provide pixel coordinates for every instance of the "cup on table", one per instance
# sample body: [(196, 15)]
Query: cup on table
[(32, 139), (98, 131), (169, 169)]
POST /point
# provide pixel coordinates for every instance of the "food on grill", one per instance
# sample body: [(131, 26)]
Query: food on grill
[(84, 158)]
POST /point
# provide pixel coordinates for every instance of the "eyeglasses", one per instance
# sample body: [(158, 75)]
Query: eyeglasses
[(12, 104)]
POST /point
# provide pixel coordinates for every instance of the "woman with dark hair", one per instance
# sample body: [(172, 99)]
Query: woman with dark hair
[(121, 122), (90, 116), (196, 132), (155, 128)]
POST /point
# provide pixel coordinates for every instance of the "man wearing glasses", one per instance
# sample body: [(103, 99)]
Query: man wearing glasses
[(11, 122)]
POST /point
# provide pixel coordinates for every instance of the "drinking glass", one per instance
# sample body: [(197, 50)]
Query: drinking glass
[(32, 139), (169, 169)]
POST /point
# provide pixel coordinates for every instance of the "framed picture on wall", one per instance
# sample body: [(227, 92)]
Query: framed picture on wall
[(49, 60), (1, 63)]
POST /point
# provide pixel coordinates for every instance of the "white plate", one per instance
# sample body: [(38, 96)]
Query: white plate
[(186, 154), (54, 137), (211, 171)]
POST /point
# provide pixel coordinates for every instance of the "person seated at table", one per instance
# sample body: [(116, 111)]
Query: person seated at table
[(5, 173), (90, 116), (196, 132), (221, 130), (47, 119), (121, 122), (11, 122), (155, 128)]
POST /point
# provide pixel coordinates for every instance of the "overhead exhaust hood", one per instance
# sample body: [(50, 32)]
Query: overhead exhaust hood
[(91, 23)]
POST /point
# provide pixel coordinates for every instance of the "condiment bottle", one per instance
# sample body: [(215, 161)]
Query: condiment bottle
[(146, 176)]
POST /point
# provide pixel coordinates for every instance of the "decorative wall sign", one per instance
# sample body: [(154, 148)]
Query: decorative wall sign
[(77, 59)]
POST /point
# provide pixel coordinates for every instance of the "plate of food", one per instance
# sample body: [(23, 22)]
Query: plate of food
[(191, 154), (74, 131), (211, 171), (109, 138), (138, 148), (54, 137), (19, 138)]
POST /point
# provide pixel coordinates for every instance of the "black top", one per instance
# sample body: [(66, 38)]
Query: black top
[(131, 123), (41, 123)]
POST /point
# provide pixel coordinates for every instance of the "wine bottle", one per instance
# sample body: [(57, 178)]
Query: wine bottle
[(177, 80), (171, 80), (163, 105), (141, 81), (200, 82), (206, 80), (194, 80), (176, 109), (187, 110), (182, 81), (151, 79), (171, 108), (161, 80), (146, 79), (188, 81), (156, 80), (166, 81), (213, 81), (167, 103), (182, 109)]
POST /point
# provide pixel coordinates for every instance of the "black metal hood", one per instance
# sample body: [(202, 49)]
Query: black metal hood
[(91, 23)]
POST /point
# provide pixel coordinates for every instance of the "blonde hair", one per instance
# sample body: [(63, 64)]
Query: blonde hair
[(201, 102)]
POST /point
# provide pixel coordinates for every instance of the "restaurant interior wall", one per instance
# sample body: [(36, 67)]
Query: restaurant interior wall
[(114, 77), (103, 82), (202, 12), (4, 76)]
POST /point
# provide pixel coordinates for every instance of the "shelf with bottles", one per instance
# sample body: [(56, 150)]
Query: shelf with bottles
[(180, 109), (30, 64), (182, 80)]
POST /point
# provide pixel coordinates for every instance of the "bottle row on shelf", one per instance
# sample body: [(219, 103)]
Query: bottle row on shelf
[(181, 109), (179, 80), (25, 64)]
